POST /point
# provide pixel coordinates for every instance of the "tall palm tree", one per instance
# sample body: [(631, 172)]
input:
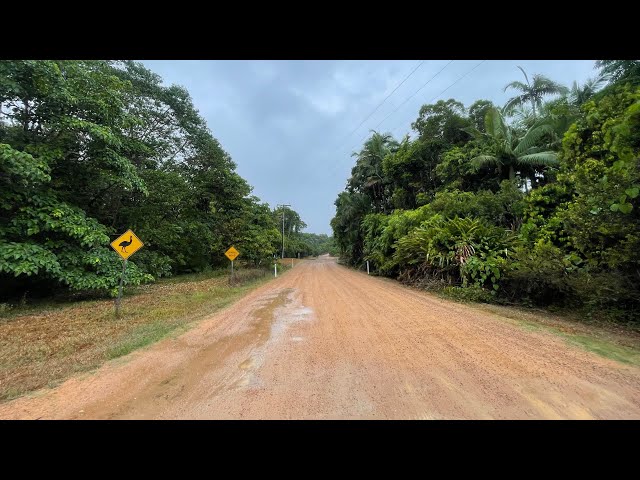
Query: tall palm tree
[(560, 113), (367, 175), (579, 94), (533, 91), (510, 149)]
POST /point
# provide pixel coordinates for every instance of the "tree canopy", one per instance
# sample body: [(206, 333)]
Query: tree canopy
[(89, 149), (535, 202)]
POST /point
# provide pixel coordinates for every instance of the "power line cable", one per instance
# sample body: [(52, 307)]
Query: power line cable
[(397, 108), (382, 102), (434, 98)]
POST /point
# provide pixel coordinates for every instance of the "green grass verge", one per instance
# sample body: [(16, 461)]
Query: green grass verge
[(622, 346), (43, 344)]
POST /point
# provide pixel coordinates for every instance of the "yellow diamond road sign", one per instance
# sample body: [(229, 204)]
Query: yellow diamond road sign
[(232, 253), (127, 244)]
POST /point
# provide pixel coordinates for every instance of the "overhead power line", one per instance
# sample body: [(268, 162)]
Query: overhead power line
[(434, 98), (414, 94), (385, 99), (397, 108)]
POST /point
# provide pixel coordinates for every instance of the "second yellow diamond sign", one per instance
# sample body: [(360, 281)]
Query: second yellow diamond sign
[(127, 244), (232, 253)]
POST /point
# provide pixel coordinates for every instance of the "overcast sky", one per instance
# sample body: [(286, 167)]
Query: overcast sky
[(287, 123)]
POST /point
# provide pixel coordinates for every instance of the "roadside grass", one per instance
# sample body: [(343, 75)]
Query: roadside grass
[(613, 341), (607, 349), (43, 344)]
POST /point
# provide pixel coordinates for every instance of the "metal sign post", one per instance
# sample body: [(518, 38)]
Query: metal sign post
[(119, 297), (283, 207), (232, 254), (125, 245)]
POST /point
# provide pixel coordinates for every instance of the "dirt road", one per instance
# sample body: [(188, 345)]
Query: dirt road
[(323, 341)]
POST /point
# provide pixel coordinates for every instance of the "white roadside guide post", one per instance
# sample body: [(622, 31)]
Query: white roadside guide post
[(275, 269), (367, 267)]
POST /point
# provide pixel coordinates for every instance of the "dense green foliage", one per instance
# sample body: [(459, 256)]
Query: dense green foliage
[(89, 149), (534, 203)]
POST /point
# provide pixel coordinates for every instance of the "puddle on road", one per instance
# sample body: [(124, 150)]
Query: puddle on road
[(247, 364), (267, 325), (279, 315), (292, 313)]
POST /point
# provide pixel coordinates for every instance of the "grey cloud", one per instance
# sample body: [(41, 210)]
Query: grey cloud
[(285, 122)]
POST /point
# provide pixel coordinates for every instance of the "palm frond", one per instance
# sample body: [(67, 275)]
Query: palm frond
[(494, 123), (513, 103), (523, 116), (523, 87), (597, 82), (581, 93), (474, 132), (539, 159), (484, 160), (574, 87), (551, 88), (525, 75), (531, 137)]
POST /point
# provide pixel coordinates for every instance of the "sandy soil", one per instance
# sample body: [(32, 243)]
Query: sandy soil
[(323, 341)]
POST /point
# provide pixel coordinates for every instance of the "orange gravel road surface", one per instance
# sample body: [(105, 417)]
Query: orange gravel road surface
[(326, 342)]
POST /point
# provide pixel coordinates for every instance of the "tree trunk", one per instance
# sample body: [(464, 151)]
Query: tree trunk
[(512, 173), (533, 104), (26, 115)]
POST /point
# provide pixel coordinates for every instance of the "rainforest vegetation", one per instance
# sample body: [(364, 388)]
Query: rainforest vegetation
[(535, 202), (89, 149)]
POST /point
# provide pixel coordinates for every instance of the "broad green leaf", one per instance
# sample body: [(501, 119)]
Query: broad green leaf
[(632, 192), (625, 207)]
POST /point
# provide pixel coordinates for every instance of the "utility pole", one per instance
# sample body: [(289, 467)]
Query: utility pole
[(283, 207)]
